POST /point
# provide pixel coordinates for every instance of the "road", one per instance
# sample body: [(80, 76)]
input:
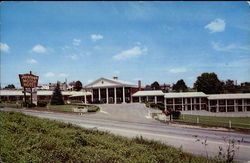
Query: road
[(131, 126)]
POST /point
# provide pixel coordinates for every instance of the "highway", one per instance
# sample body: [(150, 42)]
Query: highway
[(180, 137)]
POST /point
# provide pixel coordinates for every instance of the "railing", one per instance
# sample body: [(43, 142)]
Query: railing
[(228, 123)]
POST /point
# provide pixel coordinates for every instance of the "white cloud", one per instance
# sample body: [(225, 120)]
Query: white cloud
[(218, 25), (177, 70), (73, 56), (39, 49), (49, 74), (248, 3), (76, 42), (96, 37), (230, 48), (63, 75), (31, 61), (130, 53), (4, 47)]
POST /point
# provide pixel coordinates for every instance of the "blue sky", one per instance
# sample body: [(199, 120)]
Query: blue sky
[(150, 41)]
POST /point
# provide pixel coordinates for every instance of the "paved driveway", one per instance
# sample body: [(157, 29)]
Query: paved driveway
[(125, 112)]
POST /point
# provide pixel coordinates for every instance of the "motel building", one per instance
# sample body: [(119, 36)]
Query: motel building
[(111, 91), (114, 91)]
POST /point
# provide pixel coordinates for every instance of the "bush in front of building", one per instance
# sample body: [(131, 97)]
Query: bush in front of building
[(42, 103), (175, 114), (155, 106), (93, 109), (28, 104)]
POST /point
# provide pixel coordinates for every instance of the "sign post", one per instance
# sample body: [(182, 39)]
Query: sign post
[(28, 81)]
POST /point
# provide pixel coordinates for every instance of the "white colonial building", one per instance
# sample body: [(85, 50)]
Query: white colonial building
[(111, 91)]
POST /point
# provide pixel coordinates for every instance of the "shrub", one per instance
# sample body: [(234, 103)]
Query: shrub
[(42, 103), (153, 105), (161, 106), (175, 114), (93, 109)]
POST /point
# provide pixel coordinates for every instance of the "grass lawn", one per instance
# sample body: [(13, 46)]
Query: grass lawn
[(237, 122), (63, 108), (30, 139), (12, 105)]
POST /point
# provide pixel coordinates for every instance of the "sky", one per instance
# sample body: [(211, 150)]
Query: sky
[(147, 41)]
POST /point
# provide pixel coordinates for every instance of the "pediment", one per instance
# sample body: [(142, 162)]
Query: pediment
[(103, 82)]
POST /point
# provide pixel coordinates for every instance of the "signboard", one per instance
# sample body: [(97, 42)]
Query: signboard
[(28, 80)]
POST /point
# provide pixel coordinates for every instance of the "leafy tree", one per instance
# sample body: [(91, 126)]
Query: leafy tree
[(78, 86), (155, 86), (180, 86), (57, 98), (229, 86), (10, 86), (208, 83)]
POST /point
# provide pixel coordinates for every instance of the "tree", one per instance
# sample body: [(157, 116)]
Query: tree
[(57, 98), (208, 83), (155, 86), (180, 86), (10, 86), (229, 86), (78, 86)]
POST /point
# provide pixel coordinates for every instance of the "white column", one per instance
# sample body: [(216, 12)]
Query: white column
[(107, 95), (226, 105), (165, 104), (217, 106), (235, 106), (155, 99), (85, 99), (182, 104), (115, 95), (139, 99), (99, 94), (123, 94), (147, 98), (173, 104), (200, 103)]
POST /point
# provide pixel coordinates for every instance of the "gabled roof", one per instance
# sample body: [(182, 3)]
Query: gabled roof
[(105, 82), (185, 94), (148, 93), (229, 96)]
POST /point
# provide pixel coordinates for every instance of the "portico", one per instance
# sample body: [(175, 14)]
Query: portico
[(111, 91)]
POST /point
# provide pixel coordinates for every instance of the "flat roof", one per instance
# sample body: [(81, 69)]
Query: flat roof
[(78, 94), (229, 96), (149, 93), (12, 93), (43, 93), (185, 94)]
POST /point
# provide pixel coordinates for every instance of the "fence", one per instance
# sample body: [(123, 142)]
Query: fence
[(234, 122)]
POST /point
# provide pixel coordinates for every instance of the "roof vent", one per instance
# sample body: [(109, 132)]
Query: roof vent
[(115, 78)]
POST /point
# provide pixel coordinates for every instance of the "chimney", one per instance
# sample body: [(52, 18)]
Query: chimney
[(139, 85), (115, 78)]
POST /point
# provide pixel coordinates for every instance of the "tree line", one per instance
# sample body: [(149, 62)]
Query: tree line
[(209, 84)]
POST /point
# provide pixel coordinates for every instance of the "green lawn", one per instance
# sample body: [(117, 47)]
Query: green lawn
[(30, 139), (63, 108), (237, 122)]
